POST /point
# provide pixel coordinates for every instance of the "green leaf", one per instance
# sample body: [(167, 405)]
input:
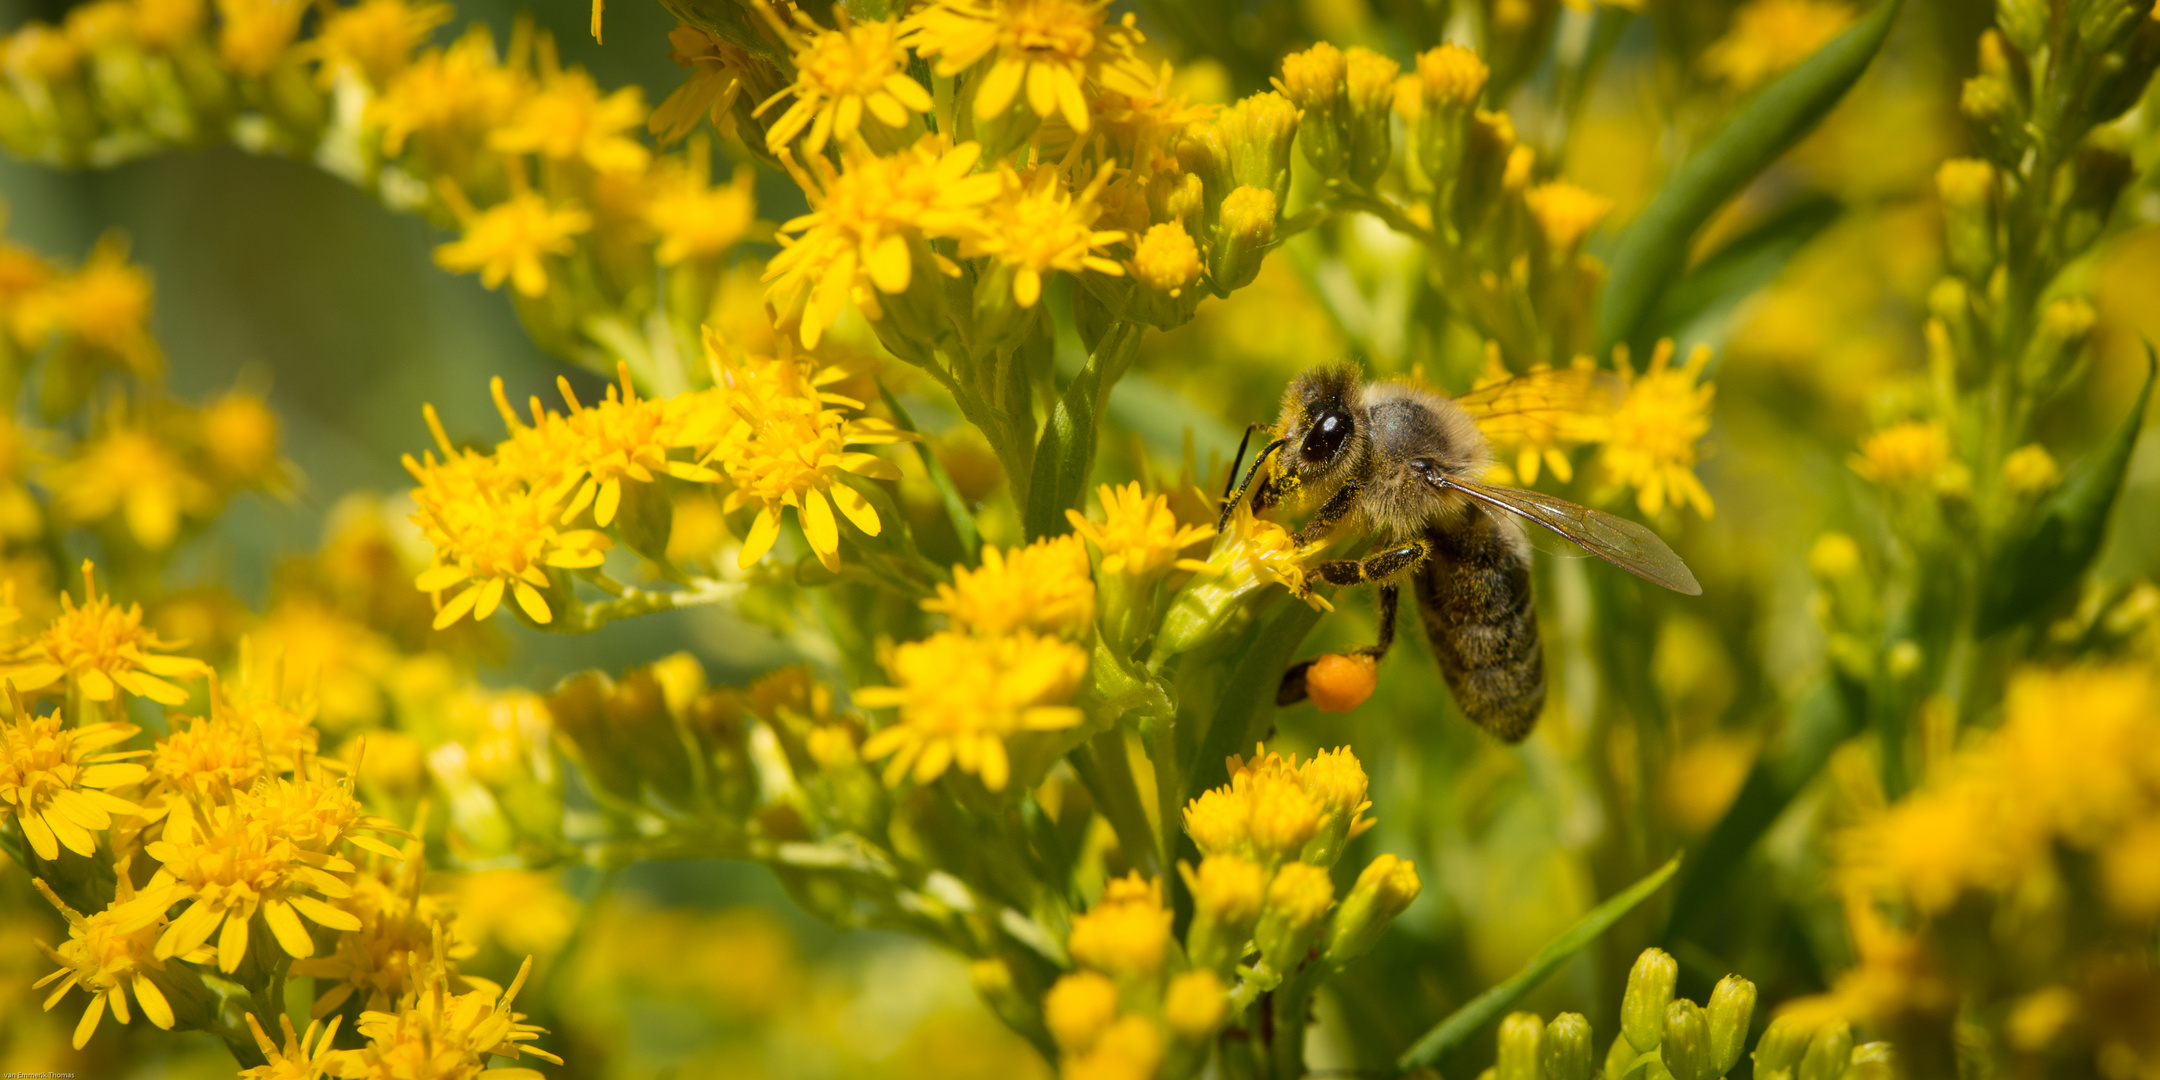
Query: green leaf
[(956, 508), (1711, 291), (1066, 453), (1247, 702), (1651, 252), (2064, 532), (1488, 1006)]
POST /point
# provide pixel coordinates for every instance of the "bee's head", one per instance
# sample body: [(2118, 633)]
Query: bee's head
[(1322, 427)]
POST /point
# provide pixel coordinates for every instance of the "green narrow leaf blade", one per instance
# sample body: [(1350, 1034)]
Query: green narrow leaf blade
[(2065, 532), (1751, 261), (1488, 1006), (1651, 252), (956, 509)]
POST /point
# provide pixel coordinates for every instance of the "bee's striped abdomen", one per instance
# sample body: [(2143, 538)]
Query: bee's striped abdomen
[(1474, 593)]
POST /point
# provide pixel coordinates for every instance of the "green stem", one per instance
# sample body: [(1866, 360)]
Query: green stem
[(1169, 791), (1105, 767), (633, 601)]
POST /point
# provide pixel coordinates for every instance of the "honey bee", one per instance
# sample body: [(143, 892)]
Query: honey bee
[(1402, 463)]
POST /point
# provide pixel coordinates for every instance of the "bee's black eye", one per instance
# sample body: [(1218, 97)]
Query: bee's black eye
[(1326, 436)]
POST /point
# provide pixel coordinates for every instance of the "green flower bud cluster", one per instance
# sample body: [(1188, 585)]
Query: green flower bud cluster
[(1661, 1036)]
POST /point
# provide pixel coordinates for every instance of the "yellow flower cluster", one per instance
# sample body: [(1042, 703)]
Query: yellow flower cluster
[(1127, 1011), (1275, 810)]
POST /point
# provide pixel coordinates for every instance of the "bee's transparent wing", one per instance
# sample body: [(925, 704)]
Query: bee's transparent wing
[(1552, 405), (1616, 540)]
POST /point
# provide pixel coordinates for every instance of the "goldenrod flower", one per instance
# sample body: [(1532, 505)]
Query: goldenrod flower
[(1908, 454), (38, 53), (1043, 587), (960, 697), (1039, 224), (839, 75), (381, 961), (566, 119), (621, 437), (512, 239), (1127, 933), (303, 1057), (1274, 809), (240, 437), (717, 76), (1652, 441), (54, 781), (2030, 470), (1138, 535), (130, 472), (1048, 48), (1195, 1004), (1532, 420), (457, 95), (1131, 1049), (778, 439), (212, 756), (434, 1033), (1565, 213), (103, 307), (1768, 36), (1078, 1008), (1166, 259), (499, 537), (254, 34), (109, 954), (697, 220), (373, 39), (160, 24), (100, 647), (858, 239)]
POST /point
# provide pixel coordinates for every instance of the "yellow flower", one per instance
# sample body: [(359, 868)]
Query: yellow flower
[(1909, 454), (717, 76), (54, 781), (374, 39), (1768, 36), (1138, 535), (1652, 444), (109, 954), (434, 1033), (696, 220), (865, 221), (257, 854), (456, 95), (1195, 1005), (1078, 1008), (1038, 224), (1273, 808), (959, 698), (1043, 587), (512, 240), (621, 437), (103, 307), (1130, 1050), (778, 439), (2030, 470), (1565, 213), (100, 647), (1127, 933), (841, 74), (160, 24), (129, 471), (396, 939), (1166, 259), (253, 34), (303, 1057), (1050, 49), (566, 119), (240, 437)]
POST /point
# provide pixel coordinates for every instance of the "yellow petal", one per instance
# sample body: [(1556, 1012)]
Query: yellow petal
[(610, 500), (286, 926), (491, 595), (457, 607), (89, 1022), (41, 838), (232, 942), (324, 914), (818, 525), (1027, 287), (998, 88), (96, 685), (535, 606), (890, 268), (763, 532), (857, 508), (438, 578), (1042, 90)]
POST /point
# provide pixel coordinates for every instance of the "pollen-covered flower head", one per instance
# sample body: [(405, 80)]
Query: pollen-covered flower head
[(865, 222), (960, 697), (1047, 52), (111, 955), (1038, 224), (435, 1033), (840, 74), (1653, 435), (1044, 587), (1138, 535), (54, 780), (772, 431), (102, 649), (1126, 935)]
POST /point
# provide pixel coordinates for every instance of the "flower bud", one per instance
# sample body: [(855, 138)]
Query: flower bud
[(1166, 264), (1384, 889), (1126, 934), (1369, 91), (1522, 1036), (1565, 214), (1226, 892), (1567, 1054), (1620, 1057), (1313, 81), (1685, 1048), (2024, 22), (2030, 470), (1834, 557), (2102, 24), (1828, 1053), (1967, 187), (1079, 1008), (1488, 144), (1297, 901), (1997, 114), (578, 706), (1782, 1045), (1649, 990), (1246, 145), (1732, 1009), (1244, 230), (1436, 101), (2099, 174), (1195, 1005), (1872, 1061), (2064, 326)]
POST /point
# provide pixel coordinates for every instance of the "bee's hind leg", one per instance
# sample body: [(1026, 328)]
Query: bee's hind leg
[(1381, 567)]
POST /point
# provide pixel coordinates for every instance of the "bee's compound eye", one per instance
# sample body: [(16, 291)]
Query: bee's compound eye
[(1326, 436)]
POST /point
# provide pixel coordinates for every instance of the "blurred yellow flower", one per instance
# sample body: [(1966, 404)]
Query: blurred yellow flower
[(1138, 536), (253, 34), (303, 1057), (1127, 933), (101, 648), (697, 220), (841, 74), (130, 471), (1905, 455), (456, 94), (2030, 470), (240, 435), (1653, 436), (1768, 36), (1078, 1008), (567, 119), (1043, 587), (109, 954), (1039, 224), (1565, 213), (960, 697), (103, 307), (373, 39), (1048, 49), (54, 780), (512, 240)]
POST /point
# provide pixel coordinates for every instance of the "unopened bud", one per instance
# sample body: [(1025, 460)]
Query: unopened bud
[(2030, 470), (1451, 78), (579, 708), (2102, 24), (1783, 1044), (1834, 556), (1195, 1005), (1436, 102), (1522, 1037), (1079, 1008), (1297, 901), (1649, 990), (1383, 890), (1991, 103), (1685, 1048), (1567, 1054), (1732, 1009), (1167, 265), (1313, 81), (1226, 893), (1967, 187), (1368, 91), (1565, 214), (2025, 22), (1243, 233), (1828, 1053), (2064, 326), (1872, 1061)]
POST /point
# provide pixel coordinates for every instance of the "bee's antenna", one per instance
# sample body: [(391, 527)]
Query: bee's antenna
[(1229, 483), (1232, 498)]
